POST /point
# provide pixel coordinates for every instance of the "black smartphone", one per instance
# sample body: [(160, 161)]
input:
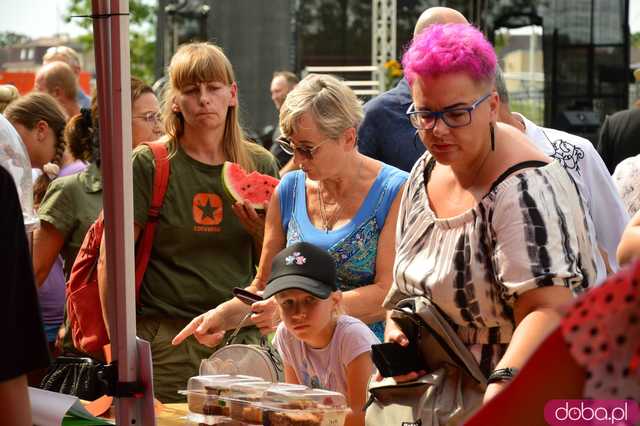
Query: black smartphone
[(246, 296), (392, 359)]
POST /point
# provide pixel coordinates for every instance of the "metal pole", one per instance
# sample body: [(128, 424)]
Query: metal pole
[(203, 10), (553, 108), (375, 41), (383, 36), (161, 36), (626, 39), (294, 56), (111, 30), (591, 52), (532, 51)]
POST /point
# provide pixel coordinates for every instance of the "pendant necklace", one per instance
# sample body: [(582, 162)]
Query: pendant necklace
[(335, 213)]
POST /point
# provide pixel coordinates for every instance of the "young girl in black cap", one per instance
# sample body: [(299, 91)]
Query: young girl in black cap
[(320, 347)]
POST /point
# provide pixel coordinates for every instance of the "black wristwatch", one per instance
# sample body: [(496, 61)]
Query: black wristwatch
[(501, 375)]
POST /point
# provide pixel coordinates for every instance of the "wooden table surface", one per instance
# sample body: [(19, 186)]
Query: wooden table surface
[(173, 415)]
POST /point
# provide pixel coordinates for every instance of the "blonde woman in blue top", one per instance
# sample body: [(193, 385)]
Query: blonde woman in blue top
[(339, 200)]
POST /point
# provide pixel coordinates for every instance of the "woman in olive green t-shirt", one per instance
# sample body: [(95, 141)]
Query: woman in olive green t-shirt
[(205, 243), (72, 203)]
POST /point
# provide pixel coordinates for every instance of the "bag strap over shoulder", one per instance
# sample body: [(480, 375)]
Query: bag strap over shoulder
[(160, 178), (515, 168), (160, 184)]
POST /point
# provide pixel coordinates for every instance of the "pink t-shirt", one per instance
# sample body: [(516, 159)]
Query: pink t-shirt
[(325, 368)]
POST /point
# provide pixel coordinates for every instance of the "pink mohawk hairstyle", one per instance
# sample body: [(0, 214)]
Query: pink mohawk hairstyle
[(448, 48)]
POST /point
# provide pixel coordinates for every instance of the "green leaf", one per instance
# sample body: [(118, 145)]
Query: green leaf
[(9, 38), (142, 17)]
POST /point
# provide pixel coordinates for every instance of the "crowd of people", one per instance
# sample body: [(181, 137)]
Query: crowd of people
[(435, 189)]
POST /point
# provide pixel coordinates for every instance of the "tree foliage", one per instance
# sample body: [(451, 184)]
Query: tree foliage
[(9, 38), (142, 18)]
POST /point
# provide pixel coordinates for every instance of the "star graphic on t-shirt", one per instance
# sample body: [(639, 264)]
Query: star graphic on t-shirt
[(207, 209)]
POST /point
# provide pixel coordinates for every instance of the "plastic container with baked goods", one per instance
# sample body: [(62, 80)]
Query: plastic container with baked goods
[(206, 396), (303, 407), (245, 399)]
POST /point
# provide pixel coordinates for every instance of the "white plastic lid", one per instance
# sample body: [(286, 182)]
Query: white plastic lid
[(257, 389), (215, 383), (303, 399), (15, 159)]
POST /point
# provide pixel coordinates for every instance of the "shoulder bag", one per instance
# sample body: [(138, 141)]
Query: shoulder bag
[(84, 310), (451, 391)]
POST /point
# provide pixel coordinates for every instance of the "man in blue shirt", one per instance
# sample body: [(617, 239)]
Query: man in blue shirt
[(57, 79), (70, 57), (386, 133)]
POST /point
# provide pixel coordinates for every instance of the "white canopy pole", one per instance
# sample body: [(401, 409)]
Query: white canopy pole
[(111, 37)]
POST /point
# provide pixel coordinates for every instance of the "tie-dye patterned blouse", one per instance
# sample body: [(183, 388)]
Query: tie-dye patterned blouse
[(354, 246), (529, 231)]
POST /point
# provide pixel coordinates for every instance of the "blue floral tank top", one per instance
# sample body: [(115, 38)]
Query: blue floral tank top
[(354, 246)]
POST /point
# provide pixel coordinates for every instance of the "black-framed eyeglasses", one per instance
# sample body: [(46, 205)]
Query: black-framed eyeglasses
[(454, 117), (288, 147), (150, 117)]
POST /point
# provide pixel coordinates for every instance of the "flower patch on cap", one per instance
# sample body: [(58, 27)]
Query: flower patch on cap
[(296, 258)]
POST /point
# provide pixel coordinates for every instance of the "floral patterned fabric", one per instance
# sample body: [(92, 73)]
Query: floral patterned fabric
[(627, 180), (353, 246), (354, 255)]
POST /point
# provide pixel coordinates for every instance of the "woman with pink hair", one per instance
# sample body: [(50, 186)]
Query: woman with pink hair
[(490, 229)]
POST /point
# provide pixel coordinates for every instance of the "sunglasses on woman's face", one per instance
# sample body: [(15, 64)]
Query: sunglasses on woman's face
[(289, 147)]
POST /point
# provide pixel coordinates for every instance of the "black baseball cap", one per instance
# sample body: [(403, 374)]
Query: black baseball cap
[(305, 267)]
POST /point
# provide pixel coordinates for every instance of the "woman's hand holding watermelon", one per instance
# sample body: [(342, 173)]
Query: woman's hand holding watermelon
[(252, 192)]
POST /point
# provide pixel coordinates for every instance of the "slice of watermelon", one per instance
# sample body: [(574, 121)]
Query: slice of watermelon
[(254, 189)]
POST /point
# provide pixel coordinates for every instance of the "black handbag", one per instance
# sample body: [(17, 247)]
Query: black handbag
[(81, 377), (451, 391)]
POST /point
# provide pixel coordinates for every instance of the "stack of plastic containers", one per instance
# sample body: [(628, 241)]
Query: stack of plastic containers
[(303, 407), (246, 400), (205, 397)]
